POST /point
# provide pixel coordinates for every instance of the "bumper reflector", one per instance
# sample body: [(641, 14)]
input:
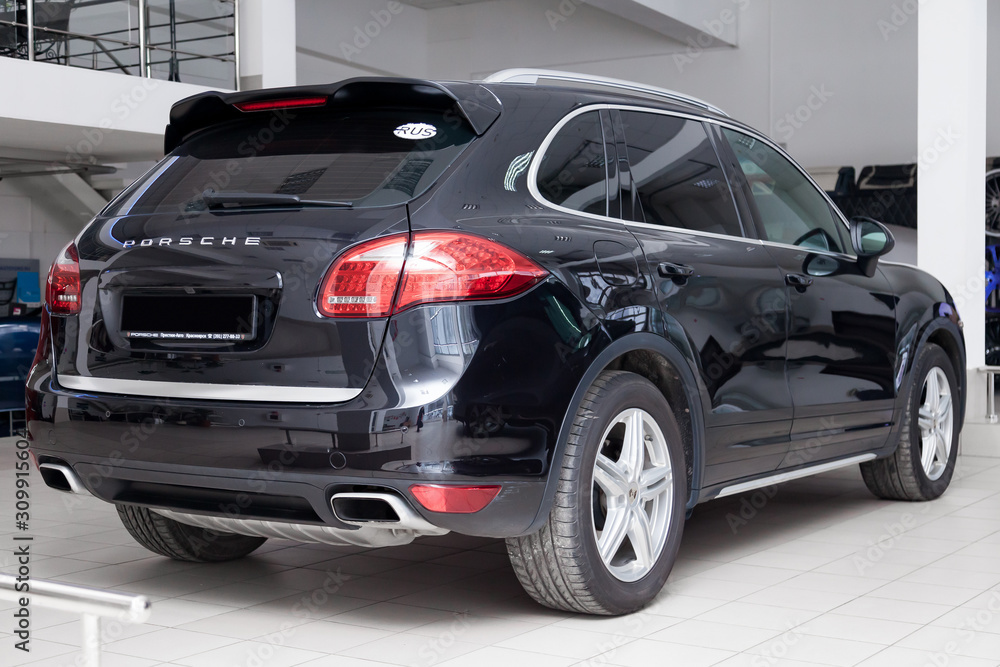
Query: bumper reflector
[(454, 499)]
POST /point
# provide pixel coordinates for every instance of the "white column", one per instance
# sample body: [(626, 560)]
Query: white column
[(951, 139), (267, 43)]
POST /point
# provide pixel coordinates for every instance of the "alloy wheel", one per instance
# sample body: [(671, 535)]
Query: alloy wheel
[(936, 419), (633, 495)]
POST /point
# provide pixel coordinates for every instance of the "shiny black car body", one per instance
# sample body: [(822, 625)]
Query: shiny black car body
[(777, 358)]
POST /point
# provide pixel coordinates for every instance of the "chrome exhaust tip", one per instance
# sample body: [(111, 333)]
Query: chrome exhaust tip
[(62, 477), (378, 510)]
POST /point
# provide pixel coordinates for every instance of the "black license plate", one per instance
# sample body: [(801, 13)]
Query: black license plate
[(200, 317)]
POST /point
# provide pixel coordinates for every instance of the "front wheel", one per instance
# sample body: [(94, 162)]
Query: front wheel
[(922, 466), (615, 526)]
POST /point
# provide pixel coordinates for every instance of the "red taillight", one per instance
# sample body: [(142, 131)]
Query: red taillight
[(448, 266), (440, 266), (454, 499), (62, 290), (362, 282), (293, 103)]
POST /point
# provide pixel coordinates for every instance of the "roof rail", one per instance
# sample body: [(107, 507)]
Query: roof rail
[(528, 75)]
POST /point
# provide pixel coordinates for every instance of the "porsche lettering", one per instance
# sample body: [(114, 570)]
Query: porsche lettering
[(191, 240)]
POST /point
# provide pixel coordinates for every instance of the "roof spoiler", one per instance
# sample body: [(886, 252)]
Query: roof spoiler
[(471, 101)]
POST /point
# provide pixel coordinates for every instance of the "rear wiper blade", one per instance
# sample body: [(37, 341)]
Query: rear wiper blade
[(215, 199)]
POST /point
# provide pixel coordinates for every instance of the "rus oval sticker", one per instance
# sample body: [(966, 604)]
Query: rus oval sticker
[(415, 131)]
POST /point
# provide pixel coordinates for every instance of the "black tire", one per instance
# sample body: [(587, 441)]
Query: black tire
[(992, 339), (560, 565), (902, 475), (183, 542)]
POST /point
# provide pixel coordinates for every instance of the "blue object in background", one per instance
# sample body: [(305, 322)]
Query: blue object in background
[(18, 340), (27, 287)]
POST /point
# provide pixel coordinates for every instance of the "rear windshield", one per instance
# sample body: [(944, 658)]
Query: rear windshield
[(366, 159)]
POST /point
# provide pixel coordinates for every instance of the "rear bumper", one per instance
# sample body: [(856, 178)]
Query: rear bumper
[(456, 416), (162, 458)]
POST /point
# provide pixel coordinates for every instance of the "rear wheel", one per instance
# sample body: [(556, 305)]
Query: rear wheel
[(180, 541), (615, 526), (922, 466)]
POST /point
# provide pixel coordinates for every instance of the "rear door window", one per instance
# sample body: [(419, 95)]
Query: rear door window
[(573, 171), (677, 174), (366, 159)]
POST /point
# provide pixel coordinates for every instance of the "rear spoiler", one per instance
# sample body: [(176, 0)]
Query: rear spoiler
[(471, 101)]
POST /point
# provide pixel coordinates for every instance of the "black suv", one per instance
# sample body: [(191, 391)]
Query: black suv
[(560, 314)]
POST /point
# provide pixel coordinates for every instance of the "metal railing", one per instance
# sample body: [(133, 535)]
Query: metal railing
[(91, 603), (43, 33)]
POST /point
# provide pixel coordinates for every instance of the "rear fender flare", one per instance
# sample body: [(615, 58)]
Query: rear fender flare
[(694, 391)]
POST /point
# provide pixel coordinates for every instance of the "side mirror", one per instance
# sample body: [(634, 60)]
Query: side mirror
[(871, 239)]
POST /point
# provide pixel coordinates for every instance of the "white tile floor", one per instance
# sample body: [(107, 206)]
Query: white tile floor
[(813, 572)]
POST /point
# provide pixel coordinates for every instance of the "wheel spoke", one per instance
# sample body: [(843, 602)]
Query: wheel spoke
[(610, 477), (655, 481), (942, 447), (640, 535), (928, 445), (615, 528), (925, 420), (633, 447), (944, 407), (933, 392)]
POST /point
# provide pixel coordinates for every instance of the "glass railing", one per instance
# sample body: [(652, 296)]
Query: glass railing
[(194, 41)]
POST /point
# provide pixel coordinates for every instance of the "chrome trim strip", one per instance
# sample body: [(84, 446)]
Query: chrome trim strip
[(532, 75), (810, 250), (209, 391), (370, 535), (693, 232), (540, 154), (75, 483), (793, 474)]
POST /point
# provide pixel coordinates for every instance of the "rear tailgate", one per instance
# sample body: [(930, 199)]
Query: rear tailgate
[(192, 288)]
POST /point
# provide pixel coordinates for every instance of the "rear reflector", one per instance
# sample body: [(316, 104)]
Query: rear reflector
[(454, 499), (268, 105), (62, 289), (440, 266)]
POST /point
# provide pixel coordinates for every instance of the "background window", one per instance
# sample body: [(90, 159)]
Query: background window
[(792, 210), (573, 170), (677, 173)]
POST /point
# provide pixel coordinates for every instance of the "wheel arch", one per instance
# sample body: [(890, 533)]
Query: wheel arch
[(939, 329), (651, 357), (946, 335)]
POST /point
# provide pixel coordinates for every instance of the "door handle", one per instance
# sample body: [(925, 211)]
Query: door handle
[(671, 270), (798, 281)]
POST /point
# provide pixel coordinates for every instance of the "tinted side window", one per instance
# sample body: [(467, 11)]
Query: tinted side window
[(573, 171), (678, 175), (792, 210)]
